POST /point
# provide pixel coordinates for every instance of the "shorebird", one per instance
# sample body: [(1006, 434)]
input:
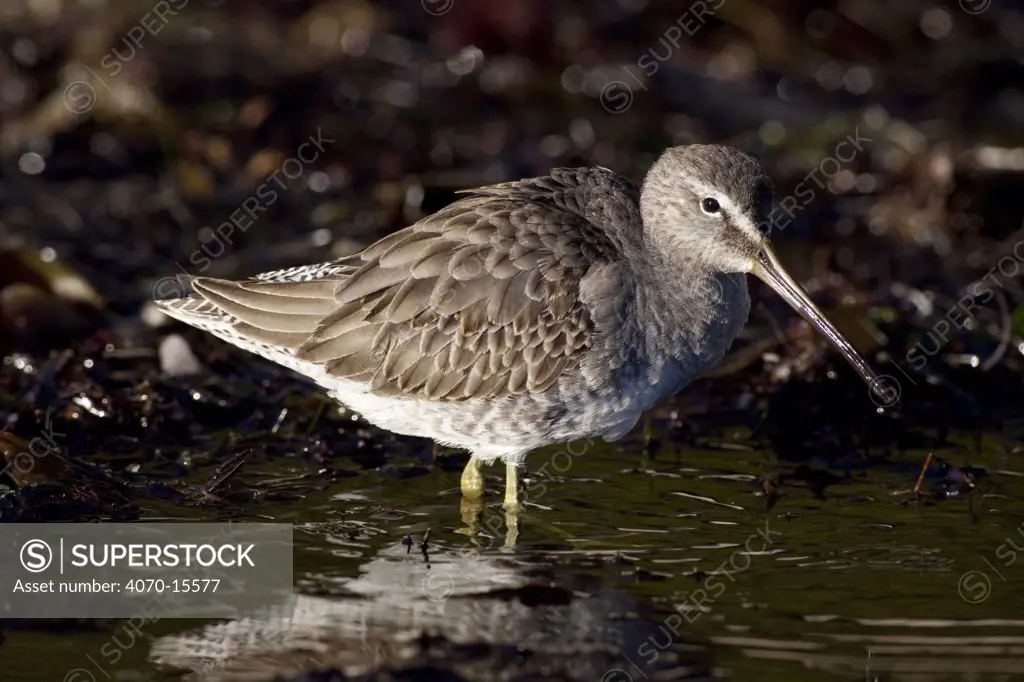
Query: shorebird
[(526, 313)]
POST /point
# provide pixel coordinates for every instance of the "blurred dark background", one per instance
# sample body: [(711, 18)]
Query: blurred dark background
[(142, 140), (130, 129), (134, 133)]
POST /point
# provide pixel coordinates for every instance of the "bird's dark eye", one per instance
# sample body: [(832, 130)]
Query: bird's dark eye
[(710, 205)]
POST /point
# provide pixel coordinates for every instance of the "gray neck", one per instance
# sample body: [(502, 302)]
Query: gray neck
[(690, 314)]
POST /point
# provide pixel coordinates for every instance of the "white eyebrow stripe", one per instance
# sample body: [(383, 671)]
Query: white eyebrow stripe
[(740, 218)]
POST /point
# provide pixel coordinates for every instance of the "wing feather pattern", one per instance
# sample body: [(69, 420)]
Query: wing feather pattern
[(480, 299)]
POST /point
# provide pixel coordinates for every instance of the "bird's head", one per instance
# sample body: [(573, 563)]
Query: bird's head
[(707, 209)]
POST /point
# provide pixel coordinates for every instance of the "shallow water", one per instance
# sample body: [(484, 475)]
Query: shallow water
[(623, 569)]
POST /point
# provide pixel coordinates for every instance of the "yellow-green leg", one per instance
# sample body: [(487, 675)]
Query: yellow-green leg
[(471, 505), (472, 480), (511, 504), (511, 486), (511, 526)]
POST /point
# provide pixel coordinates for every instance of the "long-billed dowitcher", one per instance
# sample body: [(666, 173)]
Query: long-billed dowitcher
[(526, 313)]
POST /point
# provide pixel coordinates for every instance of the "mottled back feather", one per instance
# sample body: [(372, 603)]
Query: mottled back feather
[(481, 299)]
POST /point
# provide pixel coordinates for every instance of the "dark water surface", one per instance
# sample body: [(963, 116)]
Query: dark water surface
[(622, 571)]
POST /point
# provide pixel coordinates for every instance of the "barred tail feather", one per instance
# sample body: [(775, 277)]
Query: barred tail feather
[(197, 311)]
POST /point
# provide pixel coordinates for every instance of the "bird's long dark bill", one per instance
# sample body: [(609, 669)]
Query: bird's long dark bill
[(769, 271)]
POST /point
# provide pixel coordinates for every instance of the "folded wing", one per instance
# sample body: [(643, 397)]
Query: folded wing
[(480, 299)]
